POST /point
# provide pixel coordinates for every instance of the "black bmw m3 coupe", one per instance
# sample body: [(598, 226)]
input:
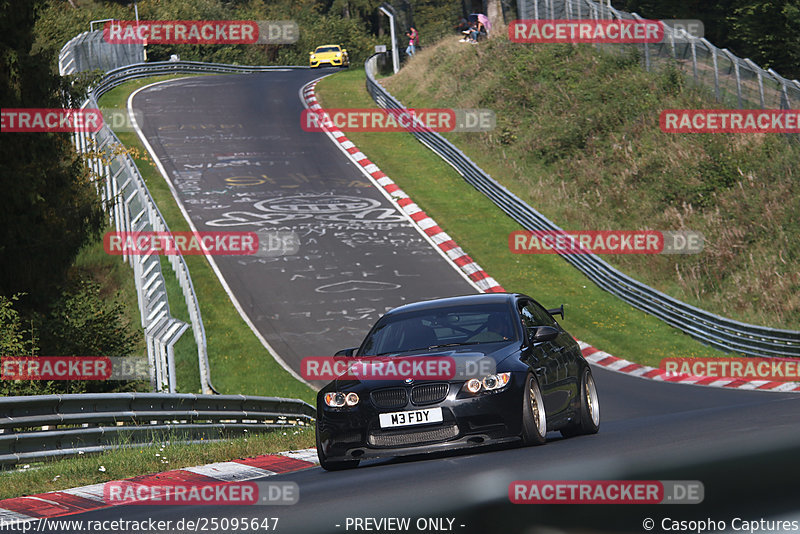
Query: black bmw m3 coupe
[(454, 373)]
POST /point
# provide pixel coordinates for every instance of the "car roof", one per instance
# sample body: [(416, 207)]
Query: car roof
[(325, 46), (466, 300)]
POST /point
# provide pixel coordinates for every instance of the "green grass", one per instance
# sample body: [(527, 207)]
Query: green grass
[(121, 463), (115, 277), (578, 138), (239, 362), (482, 230)]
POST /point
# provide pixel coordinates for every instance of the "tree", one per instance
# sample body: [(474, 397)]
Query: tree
[(768, 32), (16, 341), (494, 11), (83, 323), (50, 208)]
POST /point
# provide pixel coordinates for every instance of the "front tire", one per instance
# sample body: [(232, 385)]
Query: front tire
[(534, 418), (332, 465), (589, 420)]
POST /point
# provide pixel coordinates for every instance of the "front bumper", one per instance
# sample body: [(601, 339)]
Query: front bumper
[(489, 418), (332, 62)]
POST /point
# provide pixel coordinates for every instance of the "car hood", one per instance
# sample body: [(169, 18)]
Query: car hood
[(493, 354)]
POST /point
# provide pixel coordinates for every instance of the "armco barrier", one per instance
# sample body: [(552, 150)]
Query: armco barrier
[(89, 51), (121, 75), (132, 208), (53, 426), (719, 332)]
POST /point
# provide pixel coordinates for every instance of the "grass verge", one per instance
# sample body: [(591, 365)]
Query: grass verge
[(115, 278), (155, 458), (482, 229), (239, 362), (578, 138)]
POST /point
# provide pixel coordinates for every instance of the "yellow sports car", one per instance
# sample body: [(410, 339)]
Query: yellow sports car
[(333, 55)]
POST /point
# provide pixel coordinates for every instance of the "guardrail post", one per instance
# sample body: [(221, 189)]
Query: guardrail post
[(716, 68), (645, 45), (733, 59), (693, 44)]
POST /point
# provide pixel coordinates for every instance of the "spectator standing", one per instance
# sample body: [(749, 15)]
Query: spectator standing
[(413, 38)]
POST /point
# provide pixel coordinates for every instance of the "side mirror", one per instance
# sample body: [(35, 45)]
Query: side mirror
[(542, 333), (346, 352), (557, 311), (311, 53)]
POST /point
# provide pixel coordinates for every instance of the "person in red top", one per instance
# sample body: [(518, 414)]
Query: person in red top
[(413, 38)]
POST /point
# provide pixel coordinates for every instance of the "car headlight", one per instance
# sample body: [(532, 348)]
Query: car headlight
[(487, 383), (338, 54), (339, 400), (313, 57)]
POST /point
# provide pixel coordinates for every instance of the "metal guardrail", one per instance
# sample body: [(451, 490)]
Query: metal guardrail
[(736, 82), (89, 51), (118, 76), (719, 332), (54, 426), (134, 210)]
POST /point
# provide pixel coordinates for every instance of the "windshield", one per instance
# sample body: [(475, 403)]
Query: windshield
[(323, 49), (462, 325)]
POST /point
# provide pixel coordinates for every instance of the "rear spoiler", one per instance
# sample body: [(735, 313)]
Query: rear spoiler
[(557, 311)]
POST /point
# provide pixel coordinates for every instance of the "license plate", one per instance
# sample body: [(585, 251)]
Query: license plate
[(415, 417)]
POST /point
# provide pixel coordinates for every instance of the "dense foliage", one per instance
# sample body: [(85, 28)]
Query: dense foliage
[(318, 25), (766, 31), (50, 211)]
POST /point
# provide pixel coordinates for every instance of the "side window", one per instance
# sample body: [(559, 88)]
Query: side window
[(544, 318), (534, 315), (528, 319)]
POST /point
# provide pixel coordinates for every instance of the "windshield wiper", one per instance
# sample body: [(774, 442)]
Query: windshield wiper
[(449, 345)]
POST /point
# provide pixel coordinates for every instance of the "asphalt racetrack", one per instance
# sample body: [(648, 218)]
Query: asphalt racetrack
[(234, 149), (236, 154)]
